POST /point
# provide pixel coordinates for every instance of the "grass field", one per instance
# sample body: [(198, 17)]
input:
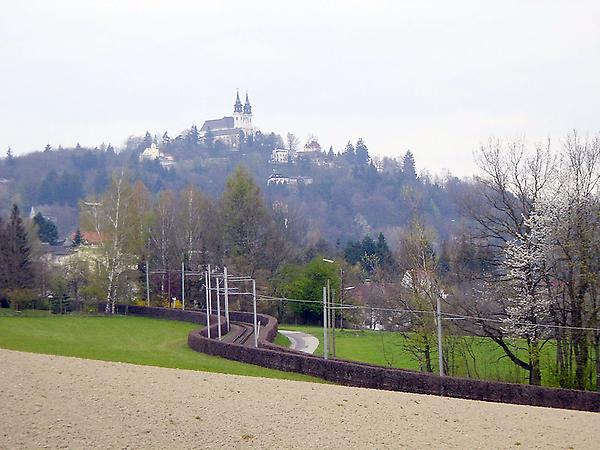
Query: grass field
[(135, 340), (282, 340), (387, 349)]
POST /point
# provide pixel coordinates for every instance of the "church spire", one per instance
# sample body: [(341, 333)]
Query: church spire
[(247, 107), (238, 104)]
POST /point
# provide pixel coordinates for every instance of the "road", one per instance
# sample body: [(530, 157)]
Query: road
[(301, 341)]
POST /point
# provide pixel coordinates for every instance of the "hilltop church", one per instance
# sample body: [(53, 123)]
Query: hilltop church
[(228, 129)]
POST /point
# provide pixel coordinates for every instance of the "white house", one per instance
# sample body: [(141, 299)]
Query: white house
[(280, 156)]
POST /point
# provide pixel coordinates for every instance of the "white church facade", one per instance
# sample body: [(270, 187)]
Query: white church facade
[(228, 129)]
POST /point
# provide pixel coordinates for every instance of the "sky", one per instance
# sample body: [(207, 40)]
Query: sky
[(436, 77)]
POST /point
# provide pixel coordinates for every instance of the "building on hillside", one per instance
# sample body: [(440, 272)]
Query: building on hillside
[(228, 129), (56, 255), (92, 238), (153, 153), (280, 156), (311, 148), (278, 179)]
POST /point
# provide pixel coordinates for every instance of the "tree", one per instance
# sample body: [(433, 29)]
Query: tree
[(306, 283), (163, 238), (349, 153), (10, 159), (361, 153), (47, 231), (528, 303), (409, 170), (77, 239), (111, 219), (246, 220), (422, 290), (384, 254), (193, 224), (292, 142), (16, 253), (147, 142), (512, 184), (193, 137)]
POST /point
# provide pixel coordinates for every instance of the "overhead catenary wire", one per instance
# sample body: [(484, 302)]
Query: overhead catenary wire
[(444, 315)]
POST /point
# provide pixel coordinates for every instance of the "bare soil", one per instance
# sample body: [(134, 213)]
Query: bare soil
[(60, 402)]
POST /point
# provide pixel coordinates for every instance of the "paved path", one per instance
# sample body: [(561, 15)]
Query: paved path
[(301, 341)]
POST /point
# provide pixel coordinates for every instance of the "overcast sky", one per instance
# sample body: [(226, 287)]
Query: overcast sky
[(438, 78)]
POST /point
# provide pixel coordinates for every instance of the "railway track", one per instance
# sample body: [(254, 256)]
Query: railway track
[(241, 333)]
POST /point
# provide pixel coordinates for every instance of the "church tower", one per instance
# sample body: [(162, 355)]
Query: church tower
[(247, 117), (238, 113)]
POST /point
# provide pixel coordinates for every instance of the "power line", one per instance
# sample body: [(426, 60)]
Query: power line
[(426, 312)]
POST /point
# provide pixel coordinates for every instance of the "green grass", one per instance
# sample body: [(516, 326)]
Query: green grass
[(282, 340), (388, 349), (135, 340)]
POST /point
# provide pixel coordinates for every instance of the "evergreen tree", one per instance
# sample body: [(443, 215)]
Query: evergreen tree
[(361, 153), (166, 140), (384, 254), (349, 153), (408, 167), (47, 231), (18, 258), (10, 159), (147, 142), (110, 149), (77, 239), (330, 154), (368, 246), (3, 258), (193, 137), (47, 149)]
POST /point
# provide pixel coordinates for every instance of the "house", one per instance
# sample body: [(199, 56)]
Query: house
[(153, 153), (56, 255), (280, 156), (278, 179), (311, 148)]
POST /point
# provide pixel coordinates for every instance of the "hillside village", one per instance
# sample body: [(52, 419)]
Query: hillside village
[(231, 132), (325, 193)]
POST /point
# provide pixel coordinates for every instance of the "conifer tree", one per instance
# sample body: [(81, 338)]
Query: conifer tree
[(77, 239), (19, 272), (47, 231), (408, 167)]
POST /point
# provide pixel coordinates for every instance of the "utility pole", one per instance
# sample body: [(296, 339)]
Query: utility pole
[(147, 284), (439, 335), (341, 297), (332, 303), (254, 308), (219, 309), (207, 306), (329, 316), (324, 322), (182, 285), (226, 286), (209, 291)]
